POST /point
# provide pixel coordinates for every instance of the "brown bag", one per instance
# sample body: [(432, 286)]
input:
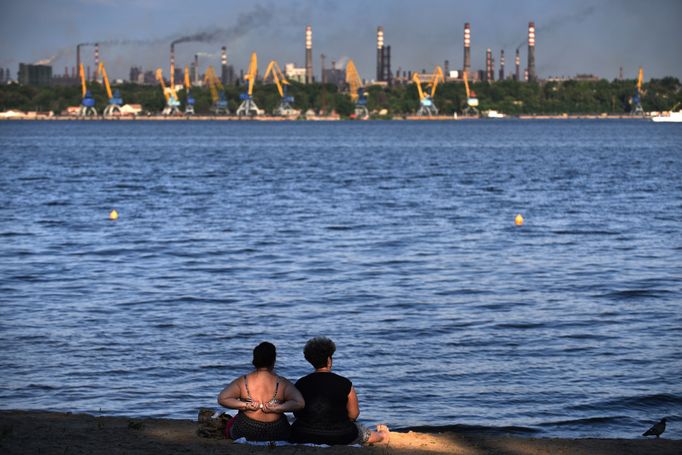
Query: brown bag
[(210, 426)]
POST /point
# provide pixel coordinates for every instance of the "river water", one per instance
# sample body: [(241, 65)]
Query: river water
[(395, 239)]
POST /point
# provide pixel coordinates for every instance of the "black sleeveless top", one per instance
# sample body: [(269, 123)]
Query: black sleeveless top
[(324, 420)]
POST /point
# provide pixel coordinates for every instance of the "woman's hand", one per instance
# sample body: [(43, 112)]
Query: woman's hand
[(253, 406), (272, 408)]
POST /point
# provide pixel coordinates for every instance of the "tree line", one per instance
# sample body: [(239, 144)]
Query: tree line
[(509, 97)]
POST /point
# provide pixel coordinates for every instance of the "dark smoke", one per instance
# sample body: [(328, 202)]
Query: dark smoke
[(560, 21), (258, 17)]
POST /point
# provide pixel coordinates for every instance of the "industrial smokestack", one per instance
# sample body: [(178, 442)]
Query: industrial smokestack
[(196, 69), (308, 55), (446, 68), (531, 52), (172, 65), (517, 62), (467, 47), (501, 65), (322, 68), (489, 76), (78, 57), (97, 75), (380, 48), (223, 65)]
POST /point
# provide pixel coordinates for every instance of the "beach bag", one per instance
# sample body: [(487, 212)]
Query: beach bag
[(212, 424)]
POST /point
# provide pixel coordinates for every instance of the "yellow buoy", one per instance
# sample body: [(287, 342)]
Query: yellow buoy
[(113, 215), (518, 220)]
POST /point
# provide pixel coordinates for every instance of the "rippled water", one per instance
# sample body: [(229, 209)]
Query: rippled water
[(395, 239)]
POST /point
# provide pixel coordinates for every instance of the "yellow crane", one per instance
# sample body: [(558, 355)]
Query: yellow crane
[(426, 106), (87, 107), (248, 106), (172, 103), (115, 101), (357, 91), (220, 106), (472, 101), (189, 104), (284, 108)]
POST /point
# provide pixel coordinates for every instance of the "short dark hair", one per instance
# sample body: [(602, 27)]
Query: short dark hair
[(317, 350), (264, 355)]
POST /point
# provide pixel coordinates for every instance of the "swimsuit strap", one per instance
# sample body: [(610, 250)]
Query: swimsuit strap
[(248, 394), (274, 396)]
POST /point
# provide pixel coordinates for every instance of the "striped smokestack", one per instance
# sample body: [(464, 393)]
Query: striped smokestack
[(489, 76), (172, 65), (517, 62), (223, 66), (98, 76), (467, 48), (531, 52), (380, 48), (308, 55), (501, 65)]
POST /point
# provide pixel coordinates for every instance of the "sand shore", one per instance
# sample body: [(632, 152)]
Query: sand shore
[(26, 432)]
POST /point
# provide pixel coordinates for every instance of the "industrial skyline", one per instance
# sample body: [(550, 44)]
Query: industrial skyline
[(573, 37)]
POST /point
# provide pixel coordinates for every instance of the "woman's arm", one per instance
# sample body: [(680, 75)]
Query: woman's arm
[(293, 400), (353, 406), (229, 398)]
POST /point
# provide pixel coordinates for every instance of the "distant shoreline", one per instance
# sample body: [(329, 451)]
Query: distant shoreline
[(24, 432), (266, 118)]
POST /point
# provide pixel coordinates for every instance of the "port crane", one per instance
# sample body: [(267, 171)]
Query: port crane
[(115, 100), (87, 108), (637, 99), (472, 101), (217, 92), (248, 106), (172, 103), (357, 91), (284, 109), (189, 105), (426, 106)]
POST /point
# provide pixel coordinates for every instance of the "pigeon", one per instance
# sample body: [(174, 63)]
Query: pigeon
[(656, 430)]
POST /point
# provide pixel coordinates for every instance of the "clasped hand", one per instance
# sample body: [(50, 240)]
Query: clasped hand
[(267, 408)]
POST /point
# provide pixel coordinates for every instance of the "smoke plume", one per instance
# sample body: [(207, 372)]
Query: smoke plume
[(561, 21), (258, 17)]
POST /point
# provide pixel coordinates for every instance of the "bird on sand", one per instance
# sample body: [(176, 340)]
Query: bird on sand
[(656, 430)]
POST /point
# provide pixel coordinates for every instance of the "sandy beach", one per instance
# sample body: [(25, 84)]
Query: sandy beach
[(30, 432)]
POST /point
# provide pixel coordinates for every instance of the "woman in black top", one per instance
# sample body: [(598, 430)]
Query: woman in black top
[(331, 404)]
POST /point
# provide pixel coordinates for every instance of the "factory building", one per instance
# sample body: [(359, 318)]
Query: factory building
[(294, 73), (334, 75), (34, 74)]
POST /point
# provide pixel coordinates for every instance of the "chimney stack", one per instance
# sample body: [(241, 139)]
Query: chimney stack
[(323, 77), (501, 65), (172, 65), (308, 55), (380, 54), (223, 66), (446, 68), (517, 62), (196, 69), (78, 57), (97, 75), (531, 52), (467, 48), (489, 71)]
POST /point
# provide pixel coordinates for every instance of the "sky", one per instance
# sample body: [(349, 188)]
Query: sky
[(573, 36)]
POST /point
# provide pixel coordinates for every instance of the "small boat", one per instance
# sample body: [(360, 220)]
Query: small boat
[(494, 114), (671, 117)]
